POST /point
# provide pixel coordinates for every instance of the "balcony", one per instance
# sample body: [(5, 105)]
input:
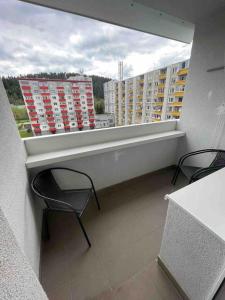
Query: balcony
[(47, 101), (179, 94), (34, 119), (176, 103), (161, 85), (180, 82), (31, 106), (174, 113), (49, 112), (50, 118), (183, 71), (162, 76), (131, 170), (36, 125), (32, 113), (28, 94), (160, 95), (52, 130), (159, 112), (30, 101), (160, 103), (25, 87), (37, 130), (126, 237)]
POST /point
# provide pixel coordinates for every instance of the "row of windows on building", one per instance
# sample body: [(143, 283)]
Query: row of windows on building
[(34, 83)]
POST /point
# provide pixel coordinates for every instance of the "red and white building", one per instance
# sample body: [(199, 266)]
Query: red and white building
[(57, 106)]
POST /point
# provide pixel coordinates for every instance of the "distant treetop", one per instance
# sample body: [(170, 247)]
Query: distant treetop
[(12, 87)]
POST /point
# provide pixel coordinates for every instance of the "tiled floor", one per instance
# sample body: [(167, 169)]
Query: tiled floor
[(125, 236)]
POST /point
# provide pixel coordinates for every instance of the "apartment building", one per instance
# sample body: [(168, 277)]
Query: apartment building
[(109, 96), (150, 97), (104, 120), (57, 106)]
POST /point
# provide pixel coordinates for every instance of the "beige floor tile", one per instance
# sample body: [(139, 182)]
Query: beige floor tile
[(162, 283), (88, 276), (60, 292), (123, 260), (125, 236)]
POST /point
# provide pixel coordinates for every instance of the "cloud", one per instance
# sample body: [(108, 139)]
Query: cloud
[(37, 39)]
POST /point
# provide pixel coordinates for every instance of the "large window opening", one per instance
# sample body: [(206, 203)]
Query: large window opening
[(88, 75)]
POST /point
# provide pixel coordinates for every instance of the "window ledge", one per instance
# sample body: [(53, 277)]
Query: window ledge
[(77, 152)]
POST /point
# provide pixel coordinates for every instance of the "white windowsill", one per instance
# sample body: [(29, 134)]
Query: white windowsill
[(77, 152)]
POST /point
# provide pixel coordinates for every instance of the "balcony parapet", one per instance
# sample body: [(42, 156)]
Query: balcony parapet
[(44, 150)]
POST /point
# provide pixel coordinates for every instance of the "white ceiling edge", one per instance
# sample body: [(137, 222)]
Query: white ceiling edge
[(127, 14)]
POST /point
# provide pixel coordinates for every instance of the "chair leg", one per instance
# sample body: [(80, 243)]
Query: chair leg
[(96, 199), (46, 234), (84, 231), (175, 176)]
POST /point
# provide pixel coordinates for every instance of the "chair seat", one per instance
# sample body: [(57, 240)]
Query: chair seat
[(77, 198), (188, 171)]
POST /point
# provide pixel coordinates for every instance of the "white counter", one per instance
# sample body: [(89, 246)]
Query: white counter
[(205, 200), (193, 244)]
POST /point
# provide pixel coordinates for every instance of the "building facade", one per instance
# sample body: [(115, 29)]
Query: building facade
[(109, 96), (104, 120), (57, 106), (150, 97)]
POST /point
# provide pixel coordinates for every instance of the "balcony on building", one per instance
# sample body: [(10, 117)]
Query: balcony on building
[(151, 240)]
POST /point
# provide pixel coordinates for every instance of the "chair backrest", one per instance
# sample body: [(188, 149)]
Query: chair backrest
[(219, 160), (45, 185)]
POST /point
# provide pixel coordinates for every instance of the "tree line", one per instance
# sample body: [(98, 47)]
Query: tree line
[(13, 91)]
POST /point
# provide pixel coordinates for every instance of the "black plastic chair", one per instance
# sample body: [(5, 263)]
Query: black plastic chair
[(45, 186), (195, 173)]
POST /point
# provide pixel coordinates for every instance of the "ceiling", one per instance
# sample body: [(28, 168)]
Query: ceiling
[(188, 10), (126, 13), (173, 19)]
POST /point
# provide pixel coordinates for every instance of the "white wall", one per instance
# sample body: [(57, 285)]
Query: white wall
[(22, 213), (17, 278), (116, 166), (205, 91)]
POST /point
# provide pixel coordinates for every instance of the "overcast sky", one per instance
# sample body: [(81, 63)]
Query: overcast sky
[(35, 39)]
